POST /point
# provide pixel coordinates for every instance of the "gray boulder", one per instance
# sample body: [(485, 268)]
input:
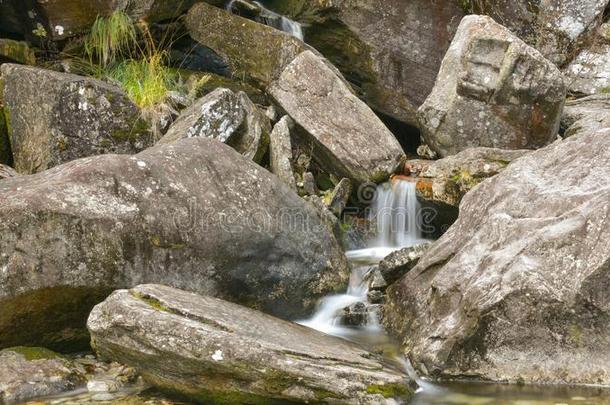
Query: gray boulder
[(27, 373), (58, 117), (517, 289), (227, 117), (394, 266), (446, 181), (587, 114), (347, 137), (493, 90), (337, 199), (215, 351), (280, 151), (193, 214)]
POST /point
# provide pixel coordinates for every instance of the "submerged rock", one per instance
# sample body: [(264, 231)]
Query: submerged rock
[(493, 90), (30, 372), (347, 138), (215, 351), (193, 214), (517, 289), (56, 117), (280, 151), (228, 117)]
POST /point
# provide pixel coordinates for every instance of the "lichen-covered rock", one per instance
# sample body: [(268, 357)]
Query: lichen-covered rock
[(7, 171), (447, 180), (193, 214), (60, 19), (587, 114), (589, 71), (493, 90), (347, 138), (280, 151), (394, 266), (517, 289), (213, 351), (30, 372), (251, 49), (56, 117), (228, 117)]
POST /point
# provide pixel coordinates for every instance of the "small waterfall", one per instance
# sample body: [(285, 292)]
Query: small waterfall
[(273, 19), (395, 210)]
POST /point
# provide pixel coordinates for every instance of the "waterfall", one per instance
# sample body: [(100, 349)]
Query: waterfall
[(273, 19), (395, 210)]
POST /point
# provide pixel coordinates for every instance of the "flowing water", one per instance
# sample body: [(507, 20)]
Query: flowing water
[(395, 210), (273, 19)]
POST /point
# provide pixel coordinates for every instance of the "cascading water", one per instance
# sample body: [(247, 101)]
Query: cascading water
[(273, 19), (395, 210)]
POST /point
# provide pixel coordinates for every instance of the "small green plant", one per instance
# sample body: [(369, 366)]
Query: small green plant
[(110, 38), (146, 81)]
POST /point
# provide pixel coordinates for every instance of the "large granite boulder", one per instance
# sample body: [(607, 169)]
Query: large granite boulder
[(193, 214), (493, 90), (588, 73), (517, 289), (60, 19), (213, 351), (30, 372), (228, 117), (347, 138), (252, 50), (57, 117)]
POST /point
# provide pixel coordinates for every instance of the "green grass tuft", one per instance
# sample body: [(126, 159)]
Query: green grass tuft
[(110, 38)]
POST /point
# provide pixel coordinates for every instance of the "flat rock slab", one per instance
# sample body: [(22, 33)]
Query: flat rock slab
[(348, 139), (213, 350)]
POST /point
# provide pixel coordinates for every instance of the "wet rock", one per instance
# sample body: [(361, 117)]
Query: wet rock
[(280, 151), (7, 171), (29, 372), (355, 315), (58, 117), (61, 19), (225, 116), (587, 114), (375, 279), (394, 266), (193, 214), (213, 350), (348, 139), (493, 90), (255, 50), (375, 296), (337, 200), (447, 180), (516, 290)]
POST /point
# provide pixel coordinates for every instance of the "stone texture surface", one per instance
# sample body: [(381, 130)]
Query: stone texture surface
[(228, 117), (280, 151), (27, 373), (7, 171), (56, 117), (215, 351), (447, 180), (588, 73), (517, 289), (193, 214), (587, 114), (493, 90), (348, 138), (394, 266)]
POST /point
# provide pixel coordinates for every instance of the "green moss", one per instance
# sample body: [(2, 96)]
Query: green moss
[(34, 353), (152, 302), (389, 390), (16, 51), (133, 134), (605, 90), (465, 5)]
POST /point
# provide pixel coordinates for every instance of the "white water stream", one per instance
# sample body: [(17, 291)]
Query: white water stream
[(275, 20)]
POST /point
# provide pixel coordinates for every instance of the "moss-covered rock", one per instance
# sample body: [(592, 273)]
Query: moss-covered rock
[(54, 118), (16, 51), (212, 351)]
